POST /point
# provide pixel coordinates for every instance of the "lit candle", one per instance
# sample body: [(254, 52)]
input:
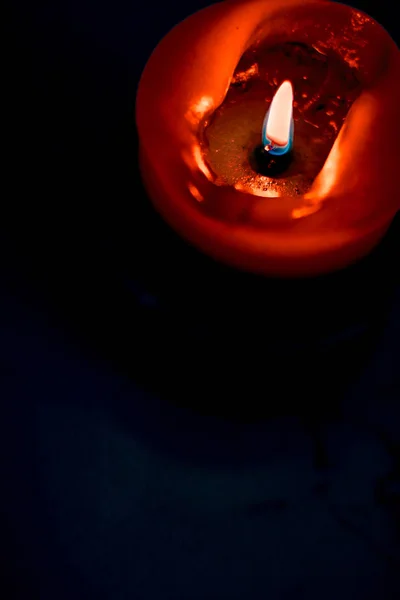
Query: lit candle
[(238, 174)]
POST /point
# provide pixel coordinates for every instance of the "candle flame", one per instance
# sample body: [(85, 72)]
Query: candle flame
[(277, 131)]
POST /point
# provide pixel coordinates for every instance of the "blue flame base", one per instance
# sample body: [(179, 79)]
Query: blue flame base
[(272, 148)]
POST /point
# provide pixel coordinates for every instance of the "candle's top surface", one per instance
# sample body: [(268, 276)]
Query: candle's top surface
[(285, 93)]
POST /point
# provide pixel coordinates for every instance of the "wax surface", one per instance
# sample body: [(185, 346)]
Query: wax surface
[(355, 196), (325, 87)]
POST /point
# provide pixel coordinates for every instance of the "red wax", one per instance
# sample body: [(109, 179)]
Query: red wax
[(353, 199)]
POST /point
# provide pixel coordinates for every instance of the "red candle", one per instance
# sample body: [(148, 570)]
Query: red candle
[(203, 97)]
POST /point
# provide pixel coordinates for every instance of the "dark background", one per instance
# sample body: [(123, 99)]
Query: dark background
[(126, 471)]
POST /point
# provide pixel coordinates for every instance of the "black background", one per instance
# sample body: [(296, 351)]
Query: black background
[(101, 314)]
